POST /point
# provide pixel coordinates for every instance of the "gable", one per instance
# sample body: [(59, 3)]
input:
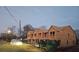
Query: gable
[(53, 28), (68, 29)]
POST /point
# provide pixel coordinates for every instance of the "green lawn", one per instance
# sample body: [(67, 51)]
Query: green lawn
[(7, 47)]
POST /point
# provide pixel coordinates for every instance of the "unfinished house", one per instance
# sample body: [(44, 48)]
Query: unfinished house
[(65, 36)]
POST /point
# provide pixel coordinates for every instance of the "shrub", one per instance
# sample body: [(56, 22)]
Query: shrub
[(42, 44), (51, 46)]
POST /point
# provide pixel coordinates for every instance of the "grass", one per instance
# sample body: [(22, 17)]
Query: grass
[(7, 47)]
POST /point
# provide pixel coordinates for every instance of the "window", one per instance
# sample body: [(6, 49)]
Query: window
[(73, 41), (45, 34), (31, 35), (58, 31), (58, 42), (39, 34), (53, 33), (67, 42), (33, 40), (34, 34), (50, 33)]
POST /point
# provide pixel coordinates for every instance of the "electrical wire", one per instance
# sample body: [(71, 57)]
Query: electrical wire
[(11, 14)]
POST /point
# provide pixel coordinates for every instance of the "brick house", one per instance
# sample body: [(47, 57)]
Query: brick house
[(64, 35)]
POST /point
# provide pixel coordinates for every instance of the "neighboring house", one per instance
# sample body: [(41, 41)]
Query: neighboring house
[(77, 36), (65, 36)]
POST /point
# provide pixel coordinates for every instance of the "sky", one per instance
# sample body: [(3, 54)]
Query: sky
[(39, 16)]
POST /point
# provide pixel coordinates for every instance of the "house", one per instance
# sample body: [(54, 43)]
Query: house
[(65, 36)]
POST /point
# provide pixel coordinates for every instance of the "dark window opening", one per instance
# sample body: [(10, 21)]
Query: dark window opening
[(50, 33), (45, 34), (33, 39), (73, 41), (31, 35), (34, 34), (67, 41), (58, 31), (53, 33), (58, 42), (39, 34)]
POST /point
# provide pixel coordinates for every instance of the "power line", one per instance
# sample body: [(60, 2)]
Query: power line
[(19, 23), (11, 14)]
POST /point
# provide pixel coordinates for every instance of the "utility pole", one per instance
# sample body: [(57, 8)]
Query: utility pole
[(19, 27)]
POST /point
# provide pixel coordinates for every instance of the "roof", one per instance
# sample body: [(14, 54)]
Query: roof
[(41, 29), (60, 28), (52, 26)]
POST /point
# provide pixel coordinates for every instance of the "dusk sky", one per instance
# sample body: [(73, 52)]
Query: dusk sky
[(40, 16)]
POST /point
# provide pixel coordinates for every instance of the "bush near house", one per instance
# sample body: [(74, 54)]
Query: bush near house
[(48, 45), (51, 46), (42, 43)]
